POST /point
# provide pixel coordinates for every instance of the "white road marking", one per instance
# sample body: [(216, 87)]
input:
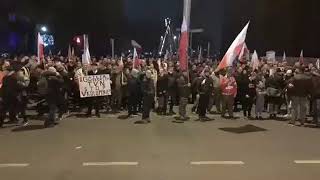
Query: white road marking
[(110, 163), (14, 165), (307, 161), (217, 163)]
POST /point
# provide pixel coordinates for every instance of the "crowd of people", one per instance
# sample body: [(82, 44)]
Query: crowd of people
[(159, 85)]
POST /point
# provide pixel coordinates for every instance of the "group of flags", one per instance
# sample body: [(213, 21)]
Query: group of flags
[(237, 50)]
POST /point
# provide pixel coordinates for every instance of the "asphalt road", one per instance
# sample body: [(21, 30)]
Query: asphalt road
[(114, 149)]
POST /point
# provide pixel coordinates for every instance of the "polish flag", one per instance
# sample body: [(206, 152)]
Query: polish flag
[(234, 50), (284, 58), (244, 52), (69, 53), (136, 45), (40, 48), (184, 44), (255, 61), (301, 59), (120, 63), (136, 60), (86, 59)]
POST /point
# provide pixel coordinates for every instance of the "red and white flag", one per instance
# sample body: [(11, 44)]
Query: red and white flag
[(121, 64), (244, 52), (234, 50), (135, 44), (184, 45), (86, 59), (255, 60), (284, 58), (301, 59), (136, 60), (69, 53), (40, 47)]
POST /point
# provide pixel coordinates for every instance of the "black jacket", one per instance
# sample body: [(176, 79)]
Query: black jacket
[(147, 86), (55, 89), (300, 85), (10, 87), (172, 83), (184, 89), (206, 87), (134, 86), (162, 85), (316, 86)]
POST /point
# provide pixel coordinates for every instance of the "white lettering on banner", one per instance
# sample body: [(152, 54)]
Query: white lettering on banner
[(94, 85)]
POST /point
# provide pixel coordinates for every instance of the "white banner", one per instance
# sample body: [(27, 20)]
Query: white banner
[(271, 55), (94, 85)]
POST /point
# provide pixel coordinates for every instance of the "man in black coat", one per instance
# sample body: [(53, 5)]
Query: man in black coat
[(94, 102), (184, 92), (10, 91), (205, 90), (148, 91), (133, 90), (54, 95), (172, 89), (274, 85), (162, 91), (316, 96), (301, 86)]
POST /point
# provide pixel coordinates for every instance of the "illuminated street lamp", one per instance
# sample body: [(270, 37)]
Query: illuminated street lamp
[(78, 40), (44, 29)]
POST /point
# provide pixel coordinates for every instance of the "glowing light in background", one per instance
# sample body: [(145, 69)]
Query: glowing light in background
[(44, 29)]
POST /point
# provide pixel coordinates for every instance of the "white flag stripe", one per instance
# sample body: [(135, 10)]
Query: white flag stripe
[(307, 161), (14, 165), (110, 163), (217, 163)]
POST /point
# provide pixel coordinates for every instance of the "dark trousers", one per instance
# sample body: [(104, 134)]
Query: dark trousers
[(172, 100), (22, 107), (183, 106), (132, 104), (146, 106), (93, 102), (116, 99), (227, 103), (247, 106), (203, 105), (316, 110), (163, 103), (8, 106)]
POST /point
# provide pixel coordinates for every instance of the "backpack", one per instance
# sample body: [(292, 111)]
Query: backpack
[(42, 85)]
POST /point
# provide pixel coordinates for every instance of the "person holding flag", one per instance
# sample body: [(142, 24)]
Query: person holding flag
[(234, 50)]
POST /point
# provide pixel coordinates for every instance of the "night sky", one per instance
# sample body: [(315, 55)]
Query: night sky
[(289, 25)]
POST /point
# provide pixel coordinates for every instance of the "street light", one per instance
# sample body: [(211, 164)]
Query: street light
[(44, 29), (174, 37), (78, 40)]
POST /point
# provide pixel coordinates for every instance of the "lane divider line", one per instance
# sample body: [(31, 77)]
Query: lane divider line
[(14, 165), (307, 161), (217, 163), (110, 163)]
